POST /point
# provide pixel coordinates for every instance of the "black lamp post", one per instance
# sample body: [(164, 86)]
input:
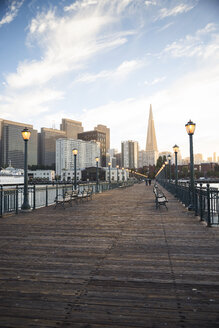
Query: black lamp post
[(26, 136), (109, 165), (97, 173), (75, 152), (169, 160), (163, 172), (123, 178), (117, 166), (166, 163), (176, 149), (127, 174), (190, 128)]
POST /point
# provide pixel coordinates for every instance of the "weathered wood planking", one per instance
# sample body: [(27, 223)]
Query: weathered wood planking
[(111, 262)]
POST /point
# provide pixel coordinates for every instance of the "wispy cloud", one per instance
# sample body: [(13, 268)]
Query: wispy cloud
[(166, 26), (114, 6), (155, 81), (177, 10), (28, 104), (195, 45), (193, 93), (69, 41), (120, 72), (80, 4), (150, 3), (12, 12)]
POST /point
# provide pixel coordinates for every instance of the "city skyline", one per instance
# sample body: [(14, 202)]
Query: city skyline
[(43, 148), (105, 62)]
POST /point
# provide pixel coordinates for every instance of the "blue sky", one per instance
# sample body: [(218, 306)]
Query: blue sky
[(106, 61)]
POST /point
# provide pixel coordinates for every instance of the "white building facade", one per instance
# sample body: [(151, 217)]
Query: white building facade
[(68, 175), (86, 156), (129, 150), (48, 175), (123, 175)]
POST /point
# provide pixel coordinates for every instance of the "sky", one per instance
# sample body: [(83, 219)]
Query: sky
[(106, 61)]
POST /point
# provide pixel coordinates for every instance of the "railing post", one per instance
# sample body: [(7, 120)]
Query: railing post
[(208, 206), (201, 202), (189, 193), (16, 200), (46, 195), (196, 199), (34, 197), (58, 190), (1, 201)]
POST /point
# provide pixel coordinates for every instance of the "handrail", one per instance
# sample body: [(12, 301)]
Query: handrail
[(11, 196), (206, 199)]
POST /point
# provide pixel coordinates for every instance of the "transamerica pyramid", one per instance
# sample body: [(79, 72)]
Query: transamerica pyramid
[(151, 143)]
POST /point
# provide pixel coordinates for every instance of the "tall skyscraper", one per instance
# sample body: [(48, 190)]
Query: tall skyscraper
[(151, 143), (97, 136), (47, 145), (198, 158), (142, 158), (105, 129), (72, 128), (129, 154), (86, 157), (12, 144)]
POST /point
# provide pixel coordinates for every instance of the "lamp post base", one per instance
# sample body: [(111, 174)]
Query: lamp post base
[(191, 207), (26, 208)]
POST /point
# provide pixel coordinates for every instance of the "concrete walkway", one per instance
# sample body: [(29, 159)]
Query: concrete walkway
[(111, 262)]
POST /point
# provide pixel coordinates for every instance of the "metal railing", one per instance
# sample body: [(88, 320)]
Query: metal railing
[(11, 196), (205, 200)]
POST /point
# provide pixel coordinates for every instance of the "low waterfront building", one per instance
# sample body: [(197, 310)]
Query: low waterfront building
[(123, 175), (46, 175), (68, 175)]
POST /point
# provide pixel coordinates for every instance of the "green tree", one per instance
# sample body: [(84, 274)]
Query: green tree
[(160, 162)]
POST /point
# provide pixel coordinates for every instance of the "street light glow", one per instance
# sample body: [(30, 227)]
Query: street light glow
[(25, 134), (75, 151), (175, 148), (190, 127)]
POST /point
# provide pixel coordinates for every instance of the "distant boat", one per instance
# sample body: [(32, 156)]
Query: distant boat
[(10, 175)]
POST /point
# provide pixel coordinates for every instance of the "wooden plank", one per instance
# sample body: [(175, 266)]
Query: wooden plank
[(115, 261)]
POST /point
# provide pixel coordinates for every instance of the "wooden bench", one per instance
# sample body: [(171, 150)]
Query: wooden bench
[(71, 196), (85, 194), (62, 199), (160, 198)]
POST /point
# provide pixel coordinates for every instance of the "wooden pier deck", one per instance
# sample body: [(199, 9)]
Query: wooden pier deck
[(111, 262)]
